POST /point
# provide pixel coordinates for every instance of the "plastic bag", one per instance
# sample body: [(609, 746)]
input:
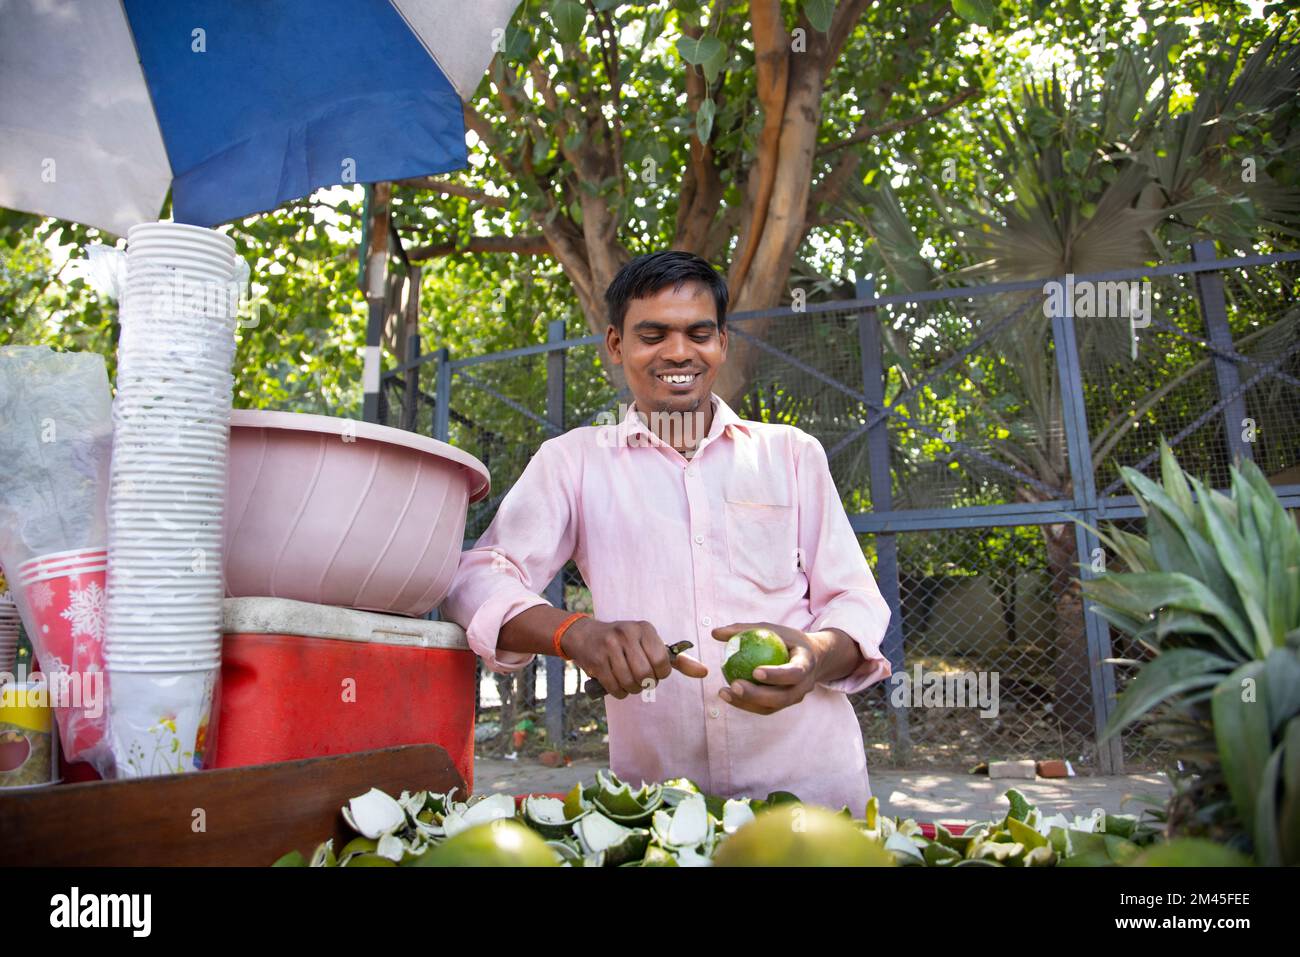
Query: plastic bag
[(56, 445)]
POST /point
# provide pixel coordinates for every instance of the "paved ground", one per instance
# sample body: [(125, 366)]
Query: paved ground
[(923, 795)]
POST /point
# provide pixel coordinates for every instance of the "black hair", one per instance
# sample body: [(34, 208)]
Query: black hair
[(646, 275)]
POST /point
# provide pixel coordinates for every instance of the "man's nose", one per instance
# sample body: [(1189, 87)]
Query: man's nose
[(677, 348)]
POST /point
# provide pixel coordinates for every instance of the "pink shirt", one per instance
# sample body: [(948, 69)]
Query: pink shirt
[(750, 529)]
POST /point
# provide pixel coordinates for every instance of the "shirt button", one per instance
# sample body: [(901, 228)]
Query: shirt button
[(706, 621), (699, 539), (714, 712)]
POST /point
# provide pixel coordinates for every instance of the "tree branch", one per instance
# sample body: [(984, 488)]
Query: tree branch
[(830, 188), (772, 59), (701, 187), (455, 189), (526, 245), (864, 133), (846, 17)]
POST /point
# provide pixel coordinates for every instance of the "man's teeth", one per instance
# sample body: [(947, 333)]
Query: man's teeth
[(675, 379)]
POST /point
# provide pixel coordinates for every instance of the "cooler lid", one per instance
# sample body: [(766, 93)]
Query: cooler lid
[(283, 616)]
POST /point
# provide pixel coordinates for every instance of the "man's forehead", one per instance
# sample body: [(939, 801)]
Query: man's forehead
[(676, 310)]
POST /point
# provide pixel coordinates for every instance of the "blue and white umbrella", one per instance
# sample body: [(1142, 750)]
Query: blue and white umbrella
[(236, 106)]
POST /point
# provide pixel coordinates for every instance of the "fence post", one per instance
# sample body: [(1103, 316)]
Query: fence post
[(411, 408), (1214, 311), (442, 397), (555, 590), (1079, 448), (882, 500)]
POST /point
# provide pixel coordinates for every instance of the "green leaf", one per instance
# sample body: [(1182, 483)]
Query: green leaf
[(1289, 831), (1168, 547), (1139, 593), (1148, 493), (819, 14), (697, 50), (704, 120), (983, 12), (1268, 844), (1282, 666), (1242, 565), (1133, 549), (1174, 480), (1170, 673), (1127, 624), (517, 44), (1174, 622), (569, 17), (714, 64), (1189, 852), (1241, 731), (292, 859)]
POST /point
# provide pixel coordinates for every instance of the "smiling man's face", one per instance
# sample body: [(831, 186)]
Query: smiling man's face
[(673, 333)]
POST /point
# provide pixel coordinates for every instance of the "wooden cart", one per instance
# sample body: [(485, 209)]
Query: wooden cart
[(247, 816)]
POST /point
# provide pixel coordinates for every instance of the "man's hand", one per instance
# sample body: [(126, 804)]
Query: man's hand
[(626, 657), (814, 657)]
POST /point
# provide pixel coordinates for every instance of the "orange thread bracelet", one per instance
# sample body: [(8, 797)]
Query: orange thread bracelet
[(564, 626)]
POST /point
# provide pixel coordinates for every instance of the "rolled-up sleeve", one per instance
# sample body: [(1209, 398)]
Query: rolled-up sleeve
[(530, 539), (842, 592)]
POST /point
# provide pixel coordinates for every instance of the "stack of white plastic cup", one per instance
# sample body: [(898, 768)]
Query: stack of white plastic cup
[(8, 633), (171, 420)]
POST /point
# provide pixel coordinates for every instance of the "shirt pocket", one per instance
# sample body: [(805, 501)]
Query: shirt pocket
[(761, 540)]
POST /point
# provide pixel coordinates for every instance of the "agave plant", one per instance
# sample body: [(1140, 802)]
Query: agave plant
[(1213, 592)]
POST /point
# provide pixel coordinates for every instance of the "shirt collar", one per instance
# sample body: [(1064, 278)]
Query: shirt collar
[(723, 418)]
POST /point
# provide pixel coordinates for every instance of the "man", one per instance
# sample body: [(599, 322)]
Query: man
[(688, 523)]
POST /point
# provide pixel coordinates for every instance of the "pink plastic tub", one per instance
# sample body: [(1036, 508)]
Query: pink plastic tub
[(338, 512)]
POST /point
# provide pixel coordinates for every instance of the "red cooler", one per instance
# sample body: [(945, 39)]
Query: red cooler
[(301, 681)]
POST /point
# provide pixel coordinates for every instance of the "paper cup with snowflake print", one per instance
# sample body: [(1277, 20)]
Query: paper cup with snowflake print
[(163, 722), (66, 628)]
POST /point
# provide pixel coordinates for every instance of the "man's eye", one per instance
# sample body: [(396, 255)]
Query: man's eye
[(651, 340)]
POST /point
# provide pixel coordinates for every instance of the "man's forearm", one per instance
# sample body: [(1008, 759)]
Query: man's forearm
[(840, 655), (531, 632)]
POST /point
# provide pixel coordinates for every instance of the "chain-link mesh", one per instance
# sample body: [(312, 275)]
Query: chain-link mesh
[(984, 607), (974, 417), (1171, 386)]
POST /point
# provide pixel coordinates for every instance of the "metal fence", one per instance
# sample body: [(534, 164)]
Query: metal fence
[(974, 434)]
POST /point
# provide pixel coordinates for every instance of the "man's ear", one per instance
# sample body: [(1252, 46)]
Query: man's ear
[(614, 344)]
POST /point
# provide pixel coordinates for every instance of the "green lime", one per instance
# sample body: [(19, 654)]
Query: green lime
[(753, 649), (800, 835), (501, 843)]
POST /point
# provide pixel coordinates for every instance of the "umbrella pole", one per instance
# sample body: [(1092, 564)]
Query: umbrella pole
[(376, 252)]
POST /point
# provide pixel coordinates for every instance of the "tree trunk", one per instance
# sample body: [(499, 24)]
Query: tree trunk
[(506, 691), (1072, 673)]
